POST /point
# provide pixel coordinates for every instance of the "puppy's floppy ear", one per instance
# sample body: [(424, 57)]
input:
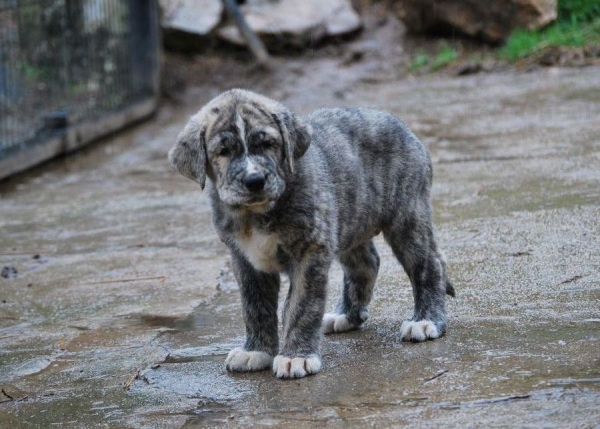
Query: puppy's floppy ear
[(188, 156), (295, 134)]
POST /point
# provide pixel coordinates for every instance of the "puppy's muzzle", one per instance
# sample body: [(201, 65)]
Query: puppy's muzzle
[(255, 182)]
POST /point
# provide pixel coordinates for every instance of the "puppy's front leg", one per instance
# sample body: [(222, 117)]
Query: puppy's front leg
[(302, 315), (259, 293)]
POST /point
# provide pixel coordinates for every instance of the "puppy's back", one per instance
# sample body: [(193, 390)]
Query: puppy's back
[(375, 164), (368, 139), (363, 131)]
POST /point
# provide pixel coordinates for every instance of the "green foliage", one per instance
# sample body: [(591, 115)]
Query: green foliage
[(523, 43), (578, 11), (34, 73), (578, 25), (420, 61), (441, 59), (444, 57)]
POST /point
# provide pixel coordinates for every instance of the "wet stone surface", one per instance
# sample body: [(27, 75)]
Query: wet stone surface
[(126, 315)]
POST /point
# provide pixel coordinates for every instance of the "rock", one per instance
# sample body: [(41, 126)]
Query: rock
[(468, 68), (563, 56), (491, 21), (294, 23), (185, 23)]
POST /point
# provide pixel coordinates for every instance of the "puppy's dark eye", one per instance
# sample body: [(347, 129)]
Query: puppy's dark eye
[(267, 144), (259, 144), (223, 152)]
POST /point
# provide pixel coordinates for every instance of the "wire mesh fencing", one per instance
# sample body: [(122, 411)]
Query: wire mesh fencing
[(64, 62)]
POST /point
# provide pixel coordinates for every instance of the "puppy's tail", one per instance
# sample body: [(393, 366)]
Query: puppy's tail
[(450, 288)]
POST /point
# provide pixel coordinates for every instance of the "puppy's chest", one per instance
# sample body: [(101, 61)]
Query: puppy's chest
[(260, 249)]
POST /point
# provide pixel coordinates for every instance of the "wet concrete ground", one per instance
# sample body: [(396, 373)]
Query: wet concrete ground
[(123, 307)]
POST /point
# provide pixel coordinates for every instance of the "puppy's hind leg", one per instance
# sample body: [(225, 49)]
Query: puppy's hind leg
[(360, 265), (413, 243)]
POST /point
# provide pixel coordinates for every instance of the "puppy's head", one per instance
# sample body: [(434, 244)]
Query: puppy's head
[(246, 144)]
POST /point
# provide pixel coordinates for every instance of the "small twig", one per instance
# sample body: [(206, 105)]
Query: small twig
[(437, 375), (485, 402), (139, 375), (136, 279), (10, 398), (130, 380), (392, 403), (502, 399), (571, 280)]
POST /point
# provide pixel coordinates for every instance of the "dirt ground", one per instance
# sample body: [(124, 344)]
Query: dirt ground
[(118, 306)]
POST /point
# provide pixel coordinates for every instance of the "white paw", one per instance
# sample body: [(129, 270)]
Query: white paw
[(418, 331), (333, 322), (285, 367), (240, 360)]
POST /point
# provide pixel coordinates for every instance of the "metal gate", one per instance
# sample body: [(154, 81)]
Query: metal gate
[(72, 71)]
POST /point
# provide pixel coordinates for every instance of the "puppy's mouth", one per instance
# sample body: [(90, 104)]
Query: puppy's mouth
[(259, 200), (255, 206), (252, 202), (256, 203), (262, 200)]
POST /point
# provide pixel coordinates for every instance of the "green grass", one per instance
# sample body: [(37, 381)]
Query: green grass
[(444, 57), (523, 43), (578, 25), (419, 61), (578, 10)]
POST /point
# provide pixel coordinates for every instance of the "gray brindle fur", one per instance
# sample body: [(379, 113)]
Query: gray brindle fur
[(289, 195)]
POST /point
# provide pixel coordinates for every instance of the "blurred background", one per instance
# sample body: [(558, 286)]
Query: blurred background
[(107, 63)]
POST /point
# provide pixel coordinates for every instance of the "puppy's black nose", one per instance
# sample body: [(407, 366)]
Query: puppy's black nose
[(255, 182)]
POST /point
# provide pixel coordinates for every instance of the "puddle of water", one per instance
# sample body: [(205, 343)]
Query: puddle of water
[(372, 371), (167, 323)]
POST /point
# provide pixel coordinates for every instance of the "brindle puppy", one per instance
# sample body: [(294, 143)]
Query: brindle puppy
[(289, 195)]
